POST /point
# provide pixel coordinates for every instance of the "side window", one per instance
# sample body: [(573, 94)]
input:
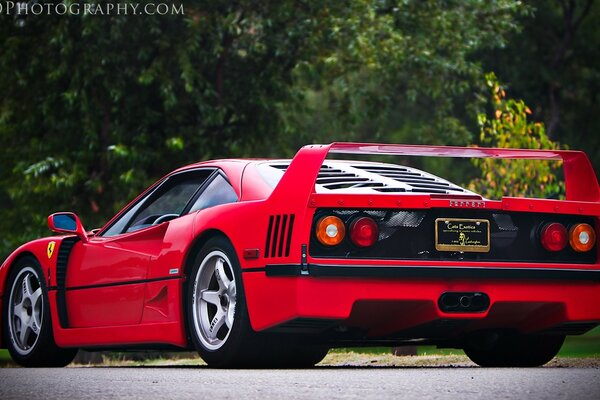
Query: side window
[(218, 191), (169, 205), (166, 202)]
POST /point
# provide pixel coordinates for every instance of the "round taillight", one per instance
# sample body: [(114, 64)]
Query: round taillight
[(330, 230), (364, 232), (554, 237), (582, 237)]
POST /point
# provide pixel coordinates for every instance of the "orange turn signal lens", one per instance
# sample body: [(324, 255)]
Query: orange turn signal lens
[(582, 237), (330, 230)]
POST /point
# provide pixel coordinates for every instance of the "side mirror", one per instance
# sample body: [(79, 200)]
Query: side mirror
[(67, 222)]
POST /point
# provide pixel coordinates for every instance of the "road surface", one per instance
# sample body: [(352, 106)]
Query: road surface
[(456, 383)]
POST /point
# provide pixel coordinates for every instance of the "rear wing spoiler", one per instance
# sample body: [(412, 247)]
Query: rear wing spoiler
[(300, 177)]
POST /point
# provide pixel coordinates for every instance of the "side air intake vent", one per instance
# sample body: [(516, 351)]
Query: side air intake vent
[(64, 251), (279, 235)]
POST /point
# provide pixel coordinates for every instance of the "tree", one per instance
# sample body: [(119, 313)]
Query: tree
[(419, 82), (95, 108), (509, 127), (553, 63)]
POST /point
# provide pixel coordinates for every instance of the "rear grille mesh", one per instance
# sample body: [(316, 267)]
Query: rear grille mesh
[(279, 235)]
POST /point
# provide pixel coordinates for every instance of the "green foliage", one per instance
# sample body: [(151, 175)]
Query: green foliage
[(410, 76), (553, 64), (93, 108), (508, 127)]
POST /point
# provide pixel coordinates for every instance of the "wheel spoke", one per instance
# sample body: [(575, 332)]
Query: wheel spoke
[(230, 315), (24, 335), (27, 291), (211, 297), (35, 297), (18, 311), (34, 324), (216, 324), (220, 274)]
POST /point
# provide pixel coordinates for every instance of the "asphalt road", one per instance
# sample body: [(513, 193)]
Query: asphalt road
[(319, 383)]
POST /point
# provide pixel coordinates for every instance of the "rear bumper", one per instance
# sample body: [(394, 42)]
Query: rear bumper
[(400, 301)]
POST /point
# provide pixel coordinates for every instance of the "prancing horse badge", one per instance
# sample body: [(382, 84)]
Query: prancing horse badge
[(50, 249)]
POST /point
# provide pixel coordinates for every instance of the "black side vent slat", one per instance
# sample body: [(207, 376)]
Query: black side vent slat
[(269, 232), (275, 235), (289, 235), (279, 235), (282, 236)]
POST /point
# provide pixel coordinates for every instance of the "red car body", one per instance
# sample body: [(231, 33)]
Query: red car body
[(128, 290)]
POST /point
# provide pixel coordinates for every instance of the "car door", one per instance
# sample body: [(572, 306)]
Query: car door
[(106, 276)]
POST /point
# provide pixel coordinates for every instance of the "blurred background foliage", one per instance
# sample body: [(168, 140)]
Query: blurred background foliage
[(95, 108), (509, 127)]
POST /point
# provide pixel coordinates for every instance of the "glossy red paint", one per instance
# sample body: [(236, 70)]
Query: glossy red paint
[(357, 302), (127, 289)]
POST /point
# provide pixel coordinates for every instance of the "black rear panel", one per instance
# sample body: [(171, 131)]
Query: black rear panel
[(410, 235)]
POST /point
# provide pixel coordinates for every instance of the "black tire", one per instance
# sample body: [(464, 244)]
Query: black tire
[(29, 348), (234, 344), (501, 349), (306, 356)]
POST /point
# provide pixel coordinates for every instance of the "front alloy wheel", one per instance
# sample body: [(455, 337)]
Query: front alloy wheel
[(26, 323), (25, 311)]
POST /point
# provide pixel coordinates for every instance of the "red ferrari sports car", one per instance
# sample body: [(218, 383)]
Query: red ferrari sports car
[(258, 263)]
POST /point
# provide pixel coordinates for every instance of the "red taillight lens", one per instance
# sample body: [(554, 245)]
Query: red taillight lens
[(554, 237), (582, 237), (364, 232)]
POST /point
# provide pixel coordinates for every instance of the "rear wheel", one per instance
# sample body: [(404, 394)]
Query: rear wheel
[(304, 356), (499, 349), (27, 323), (218, 319)]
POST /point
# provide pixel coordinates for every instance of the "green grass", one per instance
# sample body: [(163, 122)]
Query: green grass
[(587, 345), (363, 350), (5, 358)]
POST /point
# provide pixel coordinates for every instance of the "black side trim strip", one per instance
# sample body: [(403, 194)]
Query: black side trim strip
[(140, 281), (62, 261), (377, 271), (257, 269), (283, 270)]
